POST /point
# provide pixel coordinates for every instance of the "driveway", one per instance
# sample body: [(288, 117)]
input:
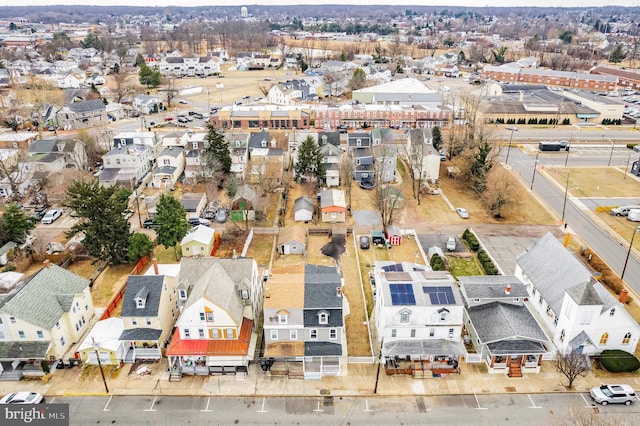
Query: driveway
[(440, 240)]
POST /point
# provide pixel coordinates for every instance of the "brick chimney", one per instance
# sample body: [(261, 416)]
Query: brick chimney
[(624, 293), (46, 263), (156, 270), (507, 289)]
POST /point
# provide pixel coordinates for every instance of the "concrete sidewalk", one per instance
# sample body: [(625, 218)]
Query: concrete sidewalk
[(359, 380)]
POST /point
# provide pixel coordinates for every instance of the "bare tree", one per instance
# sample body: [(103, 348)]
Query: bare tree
[(499, 195), (11, 171), (268, 174), (381, 199), (579, 415), (572, 365), (346, 177)]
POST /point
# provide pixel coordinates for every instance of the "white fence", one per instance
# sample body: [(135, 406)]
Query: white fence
[(362, 360), (473, 358)]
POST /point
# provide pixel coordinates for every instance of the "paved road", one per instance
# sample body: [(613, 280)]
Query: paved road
[(601, 240), (505, 409)]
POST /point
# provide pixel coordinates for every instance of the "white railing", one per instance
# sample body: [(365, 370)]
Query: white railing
[(247, 243), (143, 353), (473, 358), (362, 360)]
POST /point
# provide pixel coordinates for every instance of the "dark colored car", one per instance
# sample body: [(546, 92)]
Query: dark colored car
[(149, 223), (364, 242)]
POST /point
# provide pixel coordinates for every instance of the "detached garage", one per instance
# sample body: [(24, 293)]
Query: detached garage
[(291, 240)]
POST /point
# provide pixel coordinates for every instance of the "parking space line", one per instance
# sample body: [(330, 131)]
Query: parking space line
[(478, 402), (206, 409), (533, 404), (107, 404), (318, 410), (587, 402), (366, 405), (152, 404), (264, 399)]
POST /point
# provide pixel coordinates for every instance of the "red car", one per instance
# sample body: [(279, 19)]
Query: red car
[(168, 118)]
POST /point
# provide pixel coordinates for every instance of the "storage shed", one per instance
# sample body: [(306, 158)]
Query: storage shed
[(394, 236)]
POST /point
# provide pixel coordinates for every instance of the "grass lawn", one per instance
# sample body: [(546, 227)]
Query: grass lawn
[(108, 283), (167, 255), (464, 266), (594, 181), (260, 248)]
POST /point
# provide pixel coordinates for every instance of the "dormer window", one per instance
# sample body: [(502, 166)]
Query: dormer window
[(237, 143), (140, 303), (264, 144), (405, 316), (283, 318), (141, 297), (444, 314), (182, 294), (323, 318)]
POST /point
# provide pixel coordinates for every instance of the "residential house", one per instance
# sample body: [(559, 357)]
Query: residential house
[(303, 321), (507, 337), (202, 66), (220, 302), (291, 240), (170, 165), (580, 313), (423, 155), (198, 242), (193, 203), (266, 157), (41, 318), (332, 157), (83, 115), (363, 162), (72, 80), (125, 166), (333, 207), (418, 314), (149, 311), (147, 104), (288, 92), (103, 341), (239, 147), (56, 154), (303, 209), (386, 157), (177, 138), (123, 139)]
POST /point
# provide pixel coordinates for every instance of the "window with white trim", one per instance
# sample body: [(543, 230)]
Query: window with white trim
[(313, 334), (274, 334), (333, 333), (323, 318), (293, 334)]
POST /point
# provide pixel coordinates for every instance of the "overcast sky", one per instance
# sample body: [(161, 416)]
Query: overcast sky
[(503, 3)]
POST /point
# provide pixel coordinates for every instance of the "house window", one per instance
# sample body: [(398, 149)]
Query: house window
[(274, 334), (413, 332), (540, 300), (139, 303), (41, 334), (432, 332), (586, 318), (182, 294), (134, 321), (282, 318), (393, 332), (604, 338), (333, 333), (516, 299), (62, 342), (229, 332), (148, 321), (612, 312), (293, 334), (214, 333), (167, 162), (562, 334), (21, 334), (476, 300), (451, 333), (443, 314), (323, 318), (244, 294), (313, 334), (201, 333), (202, 316), (13, 321), (209, 316), (404, 317), (626, 339)]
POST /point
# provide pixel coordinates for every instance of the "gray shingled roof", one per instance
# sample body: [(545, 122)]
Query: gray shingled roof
[(322, 348), (492, 286), (139, 285), (10, 351), (46, 296), (216, 280), (516, 346), (85, 106), (422, 347), (320, 284), (501, 321), (303, 203), (552, 269), (584, 294), (140, 334)]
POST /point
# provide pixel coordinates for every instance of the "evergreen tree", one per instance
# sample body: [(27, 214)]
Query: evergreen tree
[(172, 222), (436, 134), (216, 150), (15, 224), (105, 229), (310, 162), (140, 245), (617, 54)]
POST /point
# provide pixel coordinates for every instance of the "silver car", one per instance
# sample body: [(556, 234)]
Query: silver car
[(613, 394)]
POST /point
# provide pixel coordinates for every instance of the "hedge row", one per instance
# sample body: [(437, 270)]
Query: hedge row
[(608, 277), (471, 240), (612, 121), (533, 120), (437, 263), (487, 263)]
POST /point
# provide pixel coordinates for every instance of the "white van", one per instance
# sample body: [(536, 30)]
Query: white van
[(634, 215)]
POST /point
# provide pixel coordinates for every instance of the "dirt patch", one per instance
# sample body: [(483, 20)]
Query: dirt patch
[(334, 248), (594, 181)]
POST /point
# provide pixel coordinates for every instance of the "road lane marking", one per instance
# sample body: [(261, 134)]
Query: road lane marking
[(318, 410), (152, 404), (262, 409), (533, 404), (107, 404), (52, 399), (478, 402), (587, 402), (206, 409), (366, 405)]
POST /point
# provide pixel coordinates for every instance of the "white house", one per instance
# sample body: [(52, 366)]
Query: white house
[(423, 155), (126, 165), (581, 314), (418, 315), (170, 166)]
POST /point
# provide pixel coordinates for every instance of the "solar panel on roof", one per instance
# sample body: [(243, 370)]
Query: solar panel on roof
[(402, 294), (440, 295)]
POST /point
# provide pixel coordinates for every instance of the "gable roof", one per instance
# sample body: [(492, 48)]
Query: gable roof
[(552, 269), (200, 234), (303, 203), (216, 280), (332, 197), (492, 287), (320, 284), (292, 233), (86, 106), (148, 287), (45, 296), (584, 294), (497, 321)]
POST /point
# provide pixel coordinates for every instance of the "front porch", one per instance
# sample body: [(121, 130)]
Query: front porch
[(24, 359), (424, 358)]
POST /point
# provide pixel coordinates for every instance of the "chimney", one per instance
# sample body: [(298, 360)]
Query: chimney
[(507, 289), (46, 263), (338, 291), (624, 293), (156, 270), (267, 293)]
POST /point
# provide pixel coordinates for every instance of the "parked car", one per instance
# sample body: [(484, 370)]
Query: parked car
[(183, 120), (149, 223), (168, 118), (221, 216), (451, 244), (462, 212), (198, 116), (127, 214), (195, 221), (613, 394), (22, 398), (622, 210), (364, 242), (51, 216), (182, 101)]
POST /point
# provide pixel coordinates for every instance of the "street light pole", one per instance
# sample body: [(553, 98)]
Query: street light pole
[(566, 191), (535, 164), (626, 260), (104, 380), (611, 153), (138, 207), (506, 161), (627, 166)]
